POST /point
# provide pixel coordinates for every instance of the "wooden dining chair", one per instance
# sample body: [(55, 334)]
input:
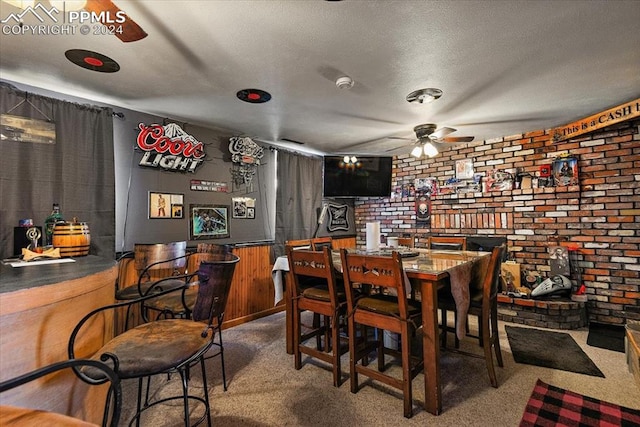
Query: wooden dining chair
[(324, 299), (388, 310), (452, 243), (484, 305)]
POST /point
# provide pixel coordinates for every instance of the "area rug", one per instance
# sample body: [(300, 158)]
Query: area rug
[(549, 349), (610, 337), (551, 406)]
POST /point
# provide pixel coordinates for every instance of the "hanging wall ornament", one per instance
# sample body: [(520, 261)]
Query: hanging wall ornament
[(245, 155)]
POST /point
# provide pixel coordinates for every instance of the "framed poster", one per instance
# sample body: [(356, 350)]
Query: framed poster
[(251, 213), (165, 205), (565, 171), (208, 221), (464, 169)]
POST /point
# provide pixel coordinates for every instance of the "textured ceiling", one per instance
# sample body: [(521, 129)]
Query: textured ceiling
[(505, 67)]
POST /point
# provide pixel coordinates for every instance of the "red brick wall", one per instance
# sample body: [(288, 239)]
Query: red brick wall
[(601, 215)]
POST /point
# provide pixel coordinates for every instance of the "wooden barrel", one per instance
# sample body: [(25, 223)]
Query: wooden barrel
[(72, 238)]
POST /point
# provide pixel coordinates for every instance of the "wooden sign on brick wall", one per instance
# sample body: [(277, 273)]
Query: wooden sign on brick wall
[(621, 113)]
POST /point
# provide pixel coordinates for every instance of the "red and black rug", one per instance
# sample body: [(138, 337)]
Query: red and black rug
[(551, 406)]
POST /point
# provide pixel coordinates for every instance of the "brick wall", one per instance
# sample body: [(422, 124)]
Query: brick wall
[(601, 215)]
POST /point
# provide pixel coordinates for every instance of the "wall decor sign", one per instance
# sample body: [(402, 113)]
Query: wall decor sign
[(165, 205), (241, 206), (338, 219), (169, 147), (23, 129), (423, 208), (208, 221), (245, 155), (200, 185), (621, 113)]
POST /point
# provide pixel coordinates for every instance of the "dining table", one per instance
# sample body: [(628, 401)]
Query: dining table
[(427, 271)]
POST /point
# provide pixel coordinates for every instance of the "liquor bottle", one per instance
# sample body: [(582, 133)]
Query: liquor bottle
[(50, 222)]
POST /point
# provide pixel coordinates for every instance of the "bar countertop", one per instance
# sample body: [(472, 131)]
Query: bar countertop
[(14, 279)]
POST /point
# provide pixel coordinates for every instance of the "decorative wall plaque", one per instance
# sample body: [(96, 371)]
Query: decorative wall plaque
[(245, 155)]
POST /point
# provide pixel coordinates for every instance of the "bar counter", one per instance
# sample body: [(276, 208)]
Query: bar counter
[(39, 307)]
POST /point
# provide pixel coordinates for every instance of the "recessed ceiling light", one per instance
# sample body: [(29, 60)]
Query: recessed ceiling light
[(253, 96), (422, 96), (93, 61)]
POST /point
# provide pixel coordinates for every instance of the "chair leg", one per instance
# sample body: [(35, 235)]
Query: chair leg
[(297, 357), (224, 374), (207, 407), (185, 396), (406, 372), (488, 356), (496, 334), (353, 357), (380, 338), (335, 344)]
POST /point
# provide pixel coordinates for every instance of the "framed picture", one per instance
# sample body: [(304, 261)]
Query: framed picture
[(176, 211), (464, 169), (239, 207), (565, 171), (161, 205), (208, 221), (251, 213)]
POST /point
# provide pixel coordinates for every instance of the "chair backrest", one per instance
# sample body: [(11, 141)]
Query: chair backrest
[(491, 282), (374, 271), (299, 243), (26, 416), (213, 248), (407, 240), (215, 276), (160, 256), (318, 264), (451, 243), (317, 243)]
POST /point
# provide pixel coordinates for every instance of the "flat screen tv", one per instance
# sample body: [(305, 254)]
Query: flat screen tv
[(368, 177)]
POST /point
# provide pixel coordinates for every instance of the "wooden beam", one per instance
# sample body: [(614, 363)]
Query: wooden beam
[(621, 113)]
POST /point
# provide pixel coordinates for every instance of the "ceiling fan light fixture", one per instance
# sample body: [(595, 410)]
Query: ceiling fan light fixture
[(417, 152), (430, 149), (424, 96)]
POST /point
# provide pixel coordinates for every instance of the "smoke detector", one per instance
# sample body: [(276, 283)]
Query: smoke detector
[(345, 82)]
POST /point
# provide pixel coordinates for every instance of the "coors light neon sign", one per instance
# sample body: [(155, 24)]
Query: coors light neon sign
[(170, 148)]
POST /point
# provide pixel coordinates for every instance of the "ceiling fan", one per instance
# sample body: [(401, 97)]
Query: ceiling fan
[(105, 9), (429, 135)]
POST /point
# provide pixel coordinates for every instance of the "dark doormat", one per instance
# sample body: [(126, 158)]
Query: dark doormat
[(610, 337), (556, 350)]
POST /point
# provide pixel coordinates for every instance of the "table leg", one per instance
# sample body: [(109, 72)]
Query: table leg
[(431, 348)]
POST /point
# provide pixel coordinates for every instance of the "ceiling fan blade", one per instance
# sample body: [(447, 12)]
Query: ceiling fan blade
[(441, 132), (453, 139), (131, 31)]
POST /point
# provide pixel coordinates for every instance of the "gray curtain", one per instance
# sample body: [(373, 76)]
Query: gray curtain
[(298, 197), (77, 172)]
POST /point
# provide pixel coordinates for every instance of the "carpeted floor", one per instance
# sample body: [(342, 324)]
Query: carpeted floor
[(550, 349), (265, 389)]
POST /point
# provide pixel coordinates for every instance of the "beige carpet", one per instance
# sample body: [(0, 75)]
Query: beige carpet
[(265, 390)]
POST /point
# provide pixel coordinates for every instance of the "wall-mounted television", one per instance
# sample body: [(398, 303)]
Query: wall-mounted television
[(367, 177)]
